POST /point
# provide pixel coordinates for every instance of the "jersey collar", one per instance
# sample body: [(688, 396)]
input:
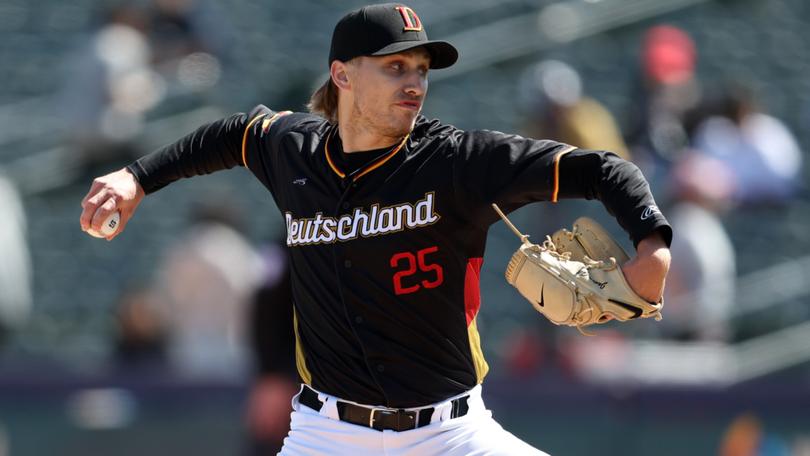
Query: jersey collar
[(369, 167)]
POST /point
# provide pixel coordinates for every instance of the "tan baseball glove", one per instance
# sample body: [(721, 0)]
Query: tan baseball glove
[(574, 277)]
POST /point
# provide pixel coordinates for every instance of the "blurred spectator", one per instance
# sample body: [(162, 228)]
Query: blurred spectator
[(109, 87), (559, 110), (759, 149), (742, 437), (700, 288), (15, 262), (666, 97), (556, 107), (141, 56), (273, 343), (140, 342), (181, 28), (208, 279), (190, 43), (746, 436), (173, 32), (538, 350)]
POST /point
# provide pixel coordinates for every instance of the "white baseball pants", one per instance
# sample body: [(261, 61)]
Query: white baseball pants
[(476, 433)]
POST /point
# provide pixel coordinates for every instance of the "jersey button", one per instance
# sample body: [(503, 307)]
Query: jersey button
[(347, 264), (346, 205), (358, 319), (380, 368)]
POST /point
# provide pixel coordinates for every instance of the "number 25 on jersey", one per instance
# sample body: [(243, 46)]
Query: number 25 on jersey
[(407, 264)]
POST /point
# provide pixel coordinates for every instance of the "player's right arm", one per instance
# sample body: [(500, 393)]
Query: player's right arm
[(212, 147)]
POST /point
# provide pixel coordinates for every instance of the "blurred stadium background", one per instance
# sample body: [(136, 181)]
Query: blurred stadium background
[(710, 97)]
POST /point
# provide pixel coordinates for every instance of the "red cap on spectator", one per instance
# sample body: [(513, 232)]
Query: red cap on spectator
[(668, 55)]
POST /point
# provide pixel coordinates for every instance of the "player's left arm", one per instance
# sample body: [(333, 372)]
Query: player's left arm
[(626, 194), (512, 171)]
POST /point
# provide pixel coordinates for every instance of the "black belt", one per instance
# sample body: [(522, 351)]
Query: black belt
[(398, 420)]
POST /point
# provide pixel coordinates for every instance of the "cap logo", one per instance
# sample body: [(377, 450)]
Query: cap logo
[(412, 22)]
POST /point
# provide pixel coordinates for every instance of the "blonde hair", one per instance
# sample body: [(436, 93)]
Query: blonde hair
[(324, 102)]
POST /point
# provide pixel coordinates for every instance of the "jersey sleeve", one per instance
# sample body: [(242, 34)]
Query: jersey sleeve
[(510, 170), (260, 144), (619, 185), (513, 171), (212, 147)]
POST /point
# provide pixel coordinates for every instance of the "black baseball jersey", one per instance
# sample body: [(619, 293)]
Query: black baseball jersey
[(386, 255)]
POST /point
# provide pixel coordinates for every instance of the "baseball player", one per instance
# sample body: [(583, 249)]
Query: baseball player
[(387, 214)]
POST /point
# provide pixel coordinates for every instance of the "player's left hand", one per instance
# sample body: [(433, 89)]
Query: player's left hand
[(646, 273)]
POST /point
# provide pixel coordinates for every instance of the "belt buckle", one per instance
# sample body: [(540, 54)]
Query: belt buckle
[(398, 413)]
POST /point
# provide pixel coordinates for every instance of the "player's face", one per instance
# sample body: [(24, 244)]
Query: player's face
[(389, 91)]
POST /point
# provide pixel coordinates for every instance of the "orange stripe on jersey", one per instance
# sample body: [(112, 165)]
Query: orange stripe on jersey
[(244, 137), (557, 172), (382, 160), (266, 123), (329, 158)]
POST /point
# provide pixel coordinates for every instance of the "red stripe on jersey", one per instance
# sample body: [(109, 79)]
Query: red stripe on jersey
[(472, 290)]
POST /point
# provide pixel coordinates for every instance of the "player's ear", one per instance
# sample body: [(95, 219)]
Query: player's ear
[(339, 72)]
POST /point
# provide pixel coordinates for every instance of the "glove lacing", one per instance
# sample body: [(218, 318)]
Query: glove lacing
[(549, 247), (583, 316)]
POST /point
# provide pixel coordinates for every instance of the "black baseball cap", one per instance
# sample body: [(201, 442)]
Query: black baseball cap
[(386, 29)]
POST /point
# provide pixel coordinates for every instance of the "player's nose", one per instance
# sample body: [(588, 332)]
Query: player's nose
[(415, 84)]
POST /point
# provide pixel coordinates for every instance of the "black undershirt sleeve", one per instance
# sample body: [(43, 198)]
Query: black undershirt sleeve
[(619, 185)]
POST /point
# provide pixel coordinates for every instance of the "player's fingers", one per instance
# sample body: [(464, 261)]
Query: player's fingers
[(103, 211), (94, 188), (127, 210), (90, 206)]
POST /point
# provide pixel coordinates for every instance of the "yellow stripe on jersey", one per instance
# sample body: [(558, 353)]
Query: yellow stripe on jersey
[(481, 366), (557, 172), (244, 137), (300, 359)]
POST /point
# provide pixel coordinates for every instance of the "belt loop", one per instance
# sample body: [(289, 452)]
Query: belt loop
[(446, 411), (460, 407), (424, 417), (297, 398), (329, 407)]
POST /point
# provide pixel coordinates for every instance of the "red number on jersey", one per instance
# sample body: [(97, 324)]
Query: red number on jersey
[(411, 262), (409, 270), (435, 268)]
